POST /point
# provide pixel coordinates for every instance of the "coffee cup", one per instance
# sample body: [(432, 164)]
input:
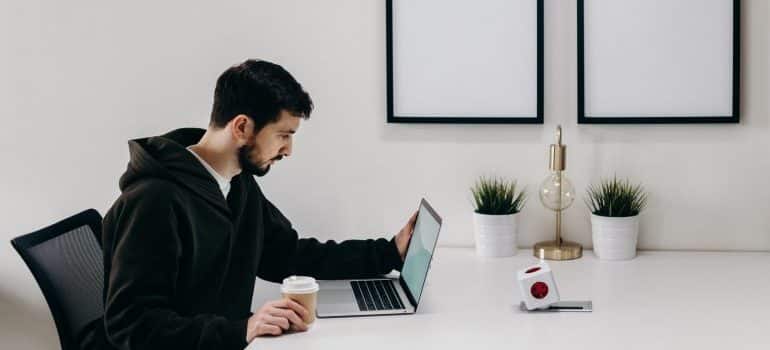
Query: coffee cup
[(303, 290)]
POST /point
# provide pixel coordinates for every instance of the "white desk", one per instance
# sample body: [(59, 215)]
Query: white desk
[(660, 300)]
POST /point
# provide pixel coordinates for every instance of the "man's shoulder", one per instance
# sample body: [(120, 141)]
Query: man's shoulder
[(145, 198), (150, 189)]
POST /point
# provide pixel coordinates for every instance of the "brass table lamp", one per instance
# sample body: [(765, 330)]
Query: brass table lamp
[(556, 193)]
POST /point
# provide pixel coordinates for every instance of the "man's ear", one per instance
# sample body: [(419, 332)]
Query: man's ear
[(241, 129)]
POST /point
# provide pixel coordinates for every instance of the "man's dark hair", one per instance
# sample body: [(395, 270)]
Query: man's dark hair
[(260, 90)]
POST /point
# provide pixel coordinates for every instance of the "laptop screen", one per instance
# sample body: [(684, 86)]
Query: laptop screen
[(420, 250)]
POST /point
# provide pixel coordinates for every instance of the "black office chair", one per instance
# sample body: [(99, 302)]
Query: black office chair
[(66, 260)]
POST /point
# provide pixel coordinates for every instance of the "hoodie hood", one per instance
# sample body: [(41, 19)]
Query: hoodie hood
[(167, 157)]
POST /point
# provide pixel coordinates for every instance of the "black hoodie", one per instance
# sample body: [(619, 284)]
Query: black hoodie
[(180, 260)]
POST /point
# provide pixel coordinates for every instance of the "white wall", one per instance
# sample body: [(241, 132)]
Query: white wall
[(79, 78)]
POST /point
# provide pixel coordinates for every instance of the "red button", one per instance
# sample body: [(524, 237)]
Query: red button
[(539, 290)]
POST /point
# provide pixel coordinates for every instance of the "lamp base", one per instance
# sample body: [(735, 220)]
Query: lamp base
[(551, 250)]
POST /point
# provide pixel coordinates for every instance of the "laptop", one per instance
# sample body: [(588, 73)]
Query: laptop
[(386, 296)]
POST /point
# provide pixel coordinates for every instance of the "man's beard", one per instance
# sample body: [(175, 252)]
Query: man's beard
[(250, 167)]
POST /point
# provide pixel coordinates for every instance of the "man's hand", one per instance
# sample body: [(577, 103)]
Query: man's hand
[(276, 317), (403, 236)]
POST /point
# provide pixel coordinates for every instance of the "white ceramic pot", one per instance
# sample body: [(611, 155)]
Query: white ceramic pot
[(615, 238), (495, 234)]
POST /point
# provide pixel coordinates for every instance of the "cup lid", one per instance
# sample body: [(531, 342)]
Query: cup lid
[(299, 284)]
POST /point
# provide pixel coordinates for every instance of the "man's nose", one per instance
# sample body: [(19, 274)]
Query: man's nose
[(287, 149)]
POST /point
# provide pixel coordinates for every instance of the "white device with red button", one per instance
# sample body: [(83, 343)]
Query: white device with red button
[(539, 292), (538, 287)]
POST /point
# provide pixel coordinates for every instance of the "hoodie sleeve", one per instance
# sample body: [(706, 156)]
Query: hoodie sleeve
[(284, 254), (145, 251)]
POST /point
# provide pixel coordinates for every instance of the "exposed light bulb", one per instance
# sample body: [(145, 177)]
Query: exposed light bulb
[(556, 192)]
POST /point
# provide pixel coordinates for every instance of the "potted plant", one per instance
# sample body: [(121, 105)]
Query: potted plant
[(496, 208), (615, 205)]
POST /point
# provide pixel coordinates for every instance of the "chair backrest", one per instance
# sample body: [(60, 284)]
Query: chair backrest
[(66, 260)]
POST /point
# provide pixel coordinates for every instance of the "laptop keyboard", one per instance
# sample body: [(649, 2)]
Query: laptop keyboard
[(373, 295)]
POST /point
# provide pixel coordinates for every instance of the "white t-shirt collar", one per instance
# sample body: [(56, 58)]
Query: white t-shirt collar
[(223, 182)]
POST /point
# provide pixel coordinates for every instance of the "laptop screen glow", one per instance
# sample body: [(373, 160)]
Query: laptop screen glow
[(420, 251)]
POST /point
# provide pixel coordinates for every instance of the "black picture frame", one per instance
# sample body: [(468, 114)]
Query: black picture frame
[(733, 117), (469, 119)]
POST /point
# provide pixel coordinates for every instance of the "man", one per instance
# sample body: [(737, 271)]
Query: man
[(192, 230)]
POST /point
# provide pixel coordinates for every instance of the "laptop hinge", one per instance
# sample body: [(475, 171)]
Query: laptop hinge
[(407, 292)]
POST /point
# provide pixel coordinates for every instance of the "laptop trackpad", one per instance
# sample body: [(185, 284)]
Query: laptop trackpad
[(336, 298)]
